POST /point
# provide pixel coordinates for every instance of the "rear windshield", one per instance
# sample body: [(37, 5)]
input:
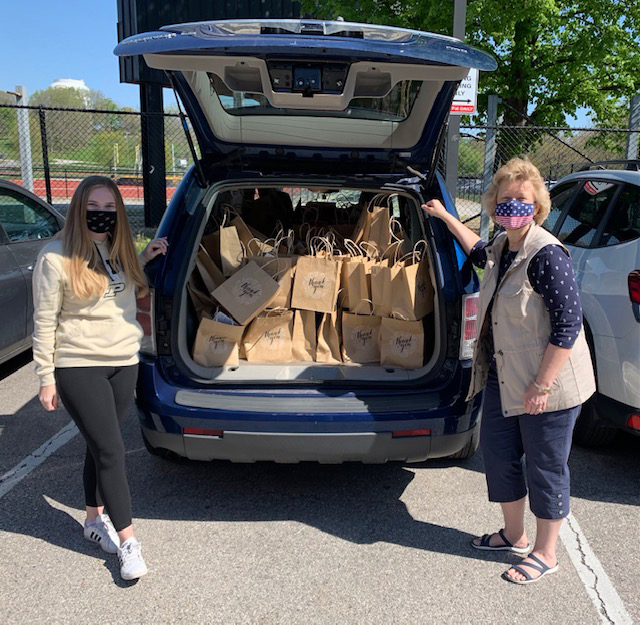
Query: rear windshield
[(395, 106)]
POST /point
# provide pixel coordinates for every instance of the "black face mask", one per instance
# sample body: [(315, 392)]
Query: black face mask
[(101, 221)]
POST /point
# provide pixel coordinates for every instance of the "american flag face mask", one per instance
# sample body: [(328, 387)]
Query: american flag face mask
[(513, 215)]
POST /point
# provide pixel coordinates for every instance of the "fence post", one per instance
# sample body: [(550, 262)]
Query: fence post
[(45, 152), (154, 177), (489, 158), (24, 139), (453, 130), (634, 124)]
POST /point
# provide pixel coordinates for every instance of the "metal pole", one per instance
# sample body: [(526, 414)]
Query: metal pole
[(489, 158), (24, 139), (453, 132), (45, 152), (634, 124), (153, 157)]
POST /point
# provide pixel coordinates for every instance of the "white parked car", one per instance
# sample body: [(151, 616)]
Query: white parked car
[(596, 215)]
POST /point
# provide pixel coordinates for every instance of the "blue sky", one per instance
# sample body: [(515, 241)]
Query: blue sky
[(44, 40)]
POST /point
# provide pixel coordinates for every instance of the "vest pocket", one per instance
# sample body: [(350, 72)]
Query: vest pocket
[(512, 300)]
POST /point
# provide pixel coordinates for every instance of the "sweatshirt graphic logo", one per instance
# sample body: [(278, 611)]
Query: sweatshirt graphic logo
[(113, 290)]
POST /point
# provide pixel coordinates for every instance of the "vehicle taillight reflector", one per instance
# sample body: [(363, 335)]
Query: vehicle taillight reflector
[(470, 327), (634, 286), (403, 433), (144, 316), (634, 422), (199, 432)]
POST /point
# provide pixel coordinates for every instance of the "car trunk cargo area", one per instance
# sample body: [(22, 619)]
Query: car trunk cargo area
[(309, 284)]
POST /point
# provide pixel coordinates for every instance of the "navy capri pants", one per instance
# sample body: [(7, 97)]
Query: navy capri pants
[(544, 440)]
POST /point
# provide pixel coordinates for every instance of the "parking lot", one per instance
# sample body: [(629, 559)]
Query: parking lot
[(270, 543)]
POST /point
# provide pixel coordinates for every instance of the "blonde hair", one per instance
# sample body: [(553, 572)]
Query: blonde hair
[(521, 170), (84, 266)]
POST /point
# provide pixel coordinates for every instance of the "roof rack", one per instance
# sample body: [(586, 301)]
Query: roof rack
[(631, 165)]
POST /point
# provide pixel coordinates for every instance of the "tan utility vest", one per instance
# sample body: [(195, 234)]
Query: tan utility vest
[(521, 330)]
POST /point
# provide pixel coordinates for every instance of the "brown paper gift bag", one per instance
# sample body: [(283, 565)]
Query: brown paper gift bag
[(359, 285), (209, 272), (412, 291), (401, 343), (282, 270), (211, 244), (268, 339), (247, 293), (231, 252), (304, 336), (202, 302), (360, 338), (381, 289), (316, 284), (328, 348), (254, 242), (216, 344), (373, 224)]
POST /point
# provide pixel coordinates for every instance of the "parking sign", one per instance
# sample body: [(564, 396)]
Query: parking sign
[(465, 100)]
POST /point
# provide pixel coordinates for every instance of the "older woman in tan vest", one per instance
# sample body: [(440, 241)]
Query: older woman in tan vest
[(532, 361)]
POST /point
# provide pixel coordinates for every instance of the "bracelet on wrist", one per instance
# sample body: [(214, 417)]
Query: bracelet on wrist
[(543, 389)]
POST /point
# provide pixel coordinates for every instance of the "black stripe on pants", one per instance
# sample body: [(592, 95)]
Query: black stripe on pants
[(97, 398)]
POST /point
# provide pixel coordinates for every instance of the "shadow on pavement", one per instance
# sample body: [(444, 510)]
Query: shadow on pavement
[(610, 474), (357, 503)]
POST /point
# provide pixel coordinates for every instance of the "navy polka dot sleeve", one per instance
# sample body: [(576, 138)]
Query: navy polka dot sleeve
[(478, 254), (551, 275)]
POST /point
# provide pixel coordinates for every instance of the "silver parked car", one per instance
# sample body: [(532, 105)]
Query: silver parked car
[(27, 223)]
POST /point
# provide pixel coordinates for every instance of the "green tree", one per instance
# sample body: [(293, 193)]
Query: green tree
[(554, 56)]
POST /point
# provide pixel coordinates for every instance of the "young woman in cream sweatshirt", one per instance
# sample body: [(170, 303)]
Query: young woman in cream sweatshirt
[(85, 345)]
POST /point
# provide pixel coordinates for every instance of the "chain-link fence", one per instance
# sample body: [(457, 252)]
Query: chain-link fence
[(65, 145), (51, 150), (555, 151)]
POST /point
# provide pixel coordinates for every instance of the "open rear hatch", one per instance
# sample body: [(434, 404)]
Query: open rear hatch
[(295, 92)]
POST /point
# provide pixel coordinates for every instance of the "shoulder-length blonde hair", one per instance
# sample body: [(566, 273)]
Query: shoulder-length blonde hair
[(84, 266), (521, 170)]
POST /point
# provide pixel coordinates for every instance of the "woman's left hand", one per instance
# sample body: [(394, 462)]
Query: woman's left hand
[(155, 247), (535, 402)]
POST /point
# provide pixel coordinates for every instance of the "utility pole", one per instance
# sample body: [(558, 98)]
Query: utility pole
[(24, 138), (634, 125), (453, 134)]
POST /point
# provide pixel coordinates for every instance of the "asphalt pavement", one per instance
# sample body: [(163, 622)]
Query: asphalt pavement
[(267, 543)]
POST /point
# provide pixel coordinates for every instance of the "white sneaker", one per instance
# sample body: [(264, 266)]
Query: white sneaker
[(102, 532), (132, 565)]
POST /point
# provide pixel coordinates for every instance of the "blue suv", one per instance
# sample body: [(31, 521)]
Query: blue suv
[(319, 117)]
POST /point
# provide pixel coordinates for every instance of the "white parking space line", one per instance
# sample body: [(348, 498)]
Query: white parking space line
[(599, 587), (34, 459)]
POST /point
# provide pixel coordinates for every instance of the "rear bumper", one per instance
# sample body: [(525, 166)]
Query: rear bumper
[(295, 425), (615, 413), (368, 447)]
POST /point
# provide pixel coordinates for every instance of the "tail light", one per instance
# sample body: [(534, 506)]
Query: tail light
[(410, 433), (200, 432), (634, 286), (634, 422), (469, 325), (145, 318)]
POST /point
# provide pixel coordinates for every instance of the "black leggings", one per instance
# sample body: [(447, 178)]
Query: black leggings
[(97, 398)]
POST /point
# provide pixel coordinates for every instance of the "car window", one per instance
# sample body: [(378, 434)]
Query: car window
[(587, 212), (624, 223), (560, 195), (23, 219)]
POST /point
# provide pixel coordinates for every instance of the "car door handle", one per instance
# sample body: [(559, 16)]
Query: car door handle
[(31, 267)]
